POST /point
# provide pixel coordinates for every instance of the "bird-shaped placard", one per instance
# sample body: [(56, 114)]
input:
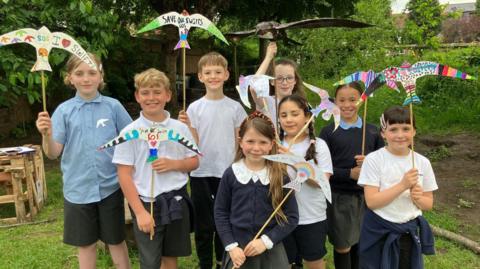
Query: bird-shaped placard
[(276, 31), (259, 83), (305, 171), (43, 40), (184, 22), (408, 74), (153, 135), (326, 105)]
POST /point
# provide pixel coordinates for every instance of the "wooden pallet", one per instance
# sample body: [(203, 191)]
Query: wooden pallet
[(22, 183)]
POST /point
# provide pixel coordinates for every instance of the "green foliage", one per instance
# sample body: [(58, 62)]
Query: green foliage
[(424, 22), (95, 29), (438, 153)]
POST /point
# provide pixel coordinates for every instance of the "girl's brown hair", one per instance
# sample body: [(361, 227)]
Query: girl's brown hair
[(276, 171), (303, 105), (298, 87), (73, 62)]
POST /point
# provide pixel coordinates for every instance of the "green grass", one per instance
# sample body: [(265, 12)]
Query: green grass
[(40, 245)]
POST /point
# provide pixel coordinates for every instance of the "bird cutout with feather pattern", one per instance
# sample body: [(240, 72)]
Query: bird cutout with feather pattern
[(326, 105), (184, 22), (43, 40), (408, 74), (259, 83), (277, 31), (305, 170), (153, 135)]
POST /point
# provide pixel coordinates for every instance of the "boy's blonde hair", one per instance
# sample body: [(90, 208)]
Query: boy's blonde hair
[(212, 58), (151, 78), (73, 62)]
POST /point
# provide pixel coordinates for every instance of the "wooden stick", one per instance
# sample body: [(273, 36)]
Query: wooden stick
[(290, 144), (184, 56), (44, 95), (152, 184), (364, 126), (411, 126), (273, 214)]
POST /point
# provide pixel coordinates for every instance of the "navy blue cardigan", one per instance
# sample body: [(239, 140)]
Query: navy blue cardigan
[(242, 209), (379, 242)]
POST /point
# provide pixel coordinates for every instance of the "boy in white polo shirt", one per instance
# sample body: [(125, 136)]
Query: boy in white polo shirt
[(172, 205), (214, 120)]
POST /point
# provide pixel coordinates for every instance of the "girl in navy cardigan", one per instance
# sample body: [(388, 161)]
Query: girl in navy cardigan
[(249, 192)]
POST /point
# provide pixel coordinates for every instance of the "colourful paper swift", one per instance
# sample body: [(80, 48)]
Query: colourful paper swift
[(305, 170), (260, 83), (43, 41), (153, 135), (408, 74), (184, 22), (325, 105)]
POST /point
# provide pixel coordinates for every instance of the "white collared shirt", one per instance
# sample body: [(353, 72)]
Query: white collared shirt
[(244, 175), (136, 152)]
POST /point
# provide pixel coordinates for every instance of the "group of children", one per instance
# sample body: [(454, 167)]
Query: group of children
[(233, 188)]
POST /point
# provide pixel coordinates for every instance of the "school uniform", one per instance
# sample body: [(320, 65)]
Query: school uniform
[(171, 201), (401, 217), (215, 122), (242, 206), (308, 239), (92, 200), (345, 214)]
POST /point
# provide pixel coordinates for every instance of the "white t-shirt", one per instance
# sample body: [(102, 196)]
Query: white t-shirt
[(311, 201), (271, 109), (136, 152), (215, 122), (383, 169)]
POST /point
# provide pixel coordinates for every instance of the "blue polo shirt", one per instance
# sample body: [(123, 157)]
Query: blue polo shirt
[(82, 126)]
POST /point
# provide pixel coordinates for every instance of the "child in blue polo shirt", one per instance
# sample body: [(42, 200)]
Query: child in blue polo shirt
[(93, 201)]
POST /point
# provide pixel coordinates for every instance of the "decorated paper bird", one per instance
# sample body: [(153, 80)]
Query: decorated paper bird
[(43, 41), (184, 22), (305, 171), (260, 83), (326, 105), (408, 74), (153, 135)]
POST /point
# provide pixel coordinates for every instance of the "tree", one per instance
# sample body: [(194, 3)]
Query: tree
[(93, 28), (424, 22)]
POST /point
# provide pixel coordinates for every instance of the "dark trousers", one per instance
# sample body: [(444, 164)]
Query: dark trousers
[(203, 193), (405, 243)]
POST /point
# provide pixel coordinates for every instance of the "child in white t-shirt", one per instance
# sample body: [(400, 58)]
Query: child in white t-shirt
[(397, 189), (307, 241), (160, 185), (214, 120)]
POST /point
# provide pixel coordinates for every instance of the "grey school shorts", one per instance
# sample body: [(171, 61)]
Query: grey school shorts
[(171, 240), (84, 224), (344, 216)]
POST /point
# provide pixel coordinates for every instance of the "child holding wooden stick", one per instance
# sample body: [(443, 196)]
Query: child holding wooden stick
[(287, 82), (394, 234), (345, 213), (93, 201), (307, 240), (249, 192)]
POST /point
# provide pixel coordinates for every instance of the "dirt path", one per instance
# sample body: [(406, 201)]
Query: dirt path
[(456, 163)]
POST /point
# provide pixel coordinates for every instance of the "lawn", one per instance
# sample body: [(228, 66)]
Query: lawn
[(40, 245)]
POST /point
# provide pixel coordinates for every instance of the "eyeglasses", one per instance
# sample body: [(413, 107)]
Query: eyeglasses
[(288, 79)]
